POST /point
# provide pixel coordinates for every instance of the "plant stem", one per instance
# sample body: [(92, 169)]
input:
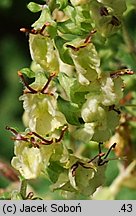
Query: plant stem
[(23, 188)]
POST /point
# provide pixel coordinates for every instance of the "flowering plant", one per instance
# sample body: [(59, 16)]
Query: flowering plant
[(75, 99)]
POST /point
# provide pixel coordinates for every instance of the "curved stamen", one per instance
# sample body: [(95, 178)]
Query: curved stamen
[(45, 141), (121, 73), (16, 134), (33, 91), (89, 37), (62, 133), (98, 155), (48, 82), (113, 146)]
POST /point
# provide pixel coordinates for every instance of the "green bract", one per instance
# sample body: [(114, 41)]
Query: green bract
[(28, 160), (42, 52), (86, 63), (41, 112), (34, 7)]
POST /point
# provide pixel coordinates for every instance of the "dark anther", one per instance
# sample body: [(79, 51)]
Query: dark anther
[(25, 30), (104, 11), (96, 156), (33, 31), (73, 169), (81, 121), (29, 196), (99, 155), (115, 21), (112, 107), (31, 137), (121, 73), (117, 111)]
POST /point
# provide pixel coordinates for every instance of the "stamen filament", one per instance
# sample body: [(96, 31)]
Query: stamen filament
[(113, 146), (121, 73), (99, 146), (89, 37), (43, 139), (16, 134), (98, 155), (47, 84), (62, 134), (33, 91)]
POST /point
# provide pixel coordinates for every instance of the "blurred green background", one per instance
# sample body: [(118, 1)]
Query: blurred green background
[(14, 55)]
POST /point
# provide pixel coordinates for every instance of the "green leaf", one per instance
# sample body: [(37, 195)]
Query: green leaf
[(52, 30), (97, 180), (54, 170), (34, 7), (28, 72), (78, 92), (109, 23), (44, 18), (68, 187), (62, 180), (43, 53), (68, 37), (79, 20), (62, 3), (69, 27), (70, 12), (5, 196), (16, 195), (70, 110), (119, 6), (104, 194), (82, 177), (88, 180), (72, 180), (63, 51), (65, 82)]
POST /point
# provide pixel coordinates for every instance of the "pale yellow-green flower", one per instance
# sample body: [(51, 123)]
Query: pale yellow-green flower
[(27, 160)]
